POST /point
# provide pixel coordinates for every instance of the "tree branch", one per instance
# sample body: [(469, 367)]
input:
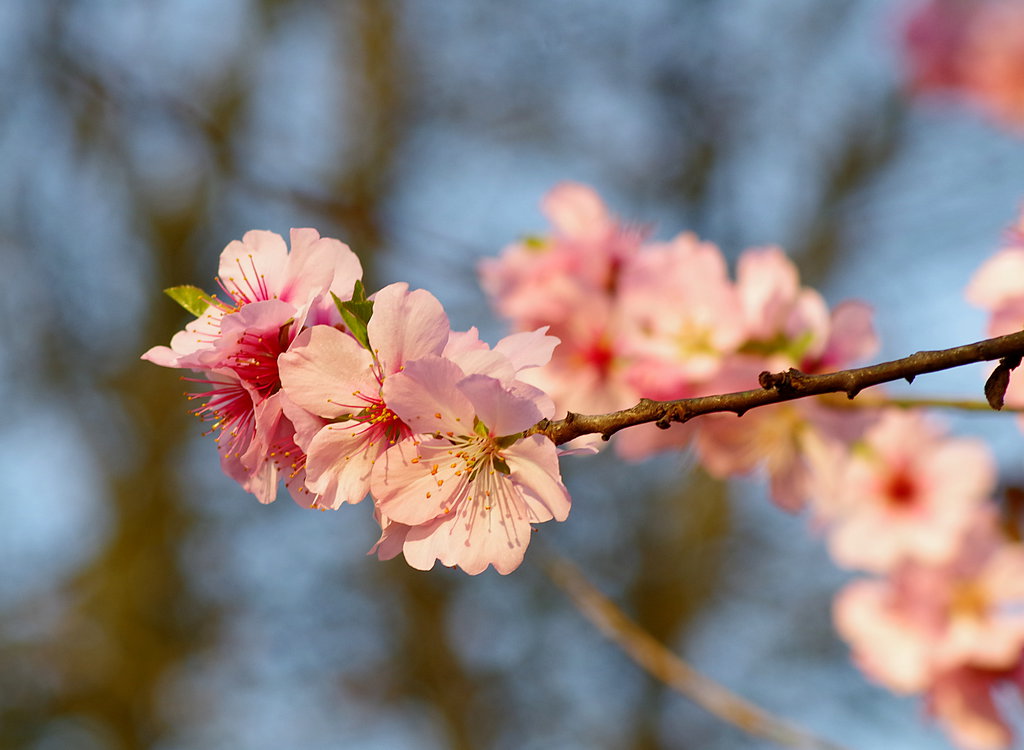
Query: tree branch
[(793, 384), (671, 670)]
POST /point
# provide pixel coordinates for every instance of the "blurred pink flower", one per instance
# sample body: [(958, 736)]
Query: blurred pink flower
[(998, 286), (536, 282), (680, 317), (925, 620), (972, 49), (906, 492), (788, 325)]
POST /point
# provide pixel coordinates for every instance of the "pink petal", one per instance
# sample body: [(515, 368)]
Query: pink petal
[(254, 269), (535, 470), (415, 485), (339, 463), (502, 412), (406, 326), (426, 397), (528, 349), (322, 370), (472, 539)]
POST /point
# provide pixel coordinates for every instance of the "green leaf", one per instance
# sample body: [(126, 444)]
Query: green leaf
[(508, 440), (500, 465), (480, 428), (192, 298), (356, 313)]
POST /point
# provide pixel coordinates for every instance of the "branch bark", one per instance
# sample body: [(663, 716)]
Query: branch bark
[(793, 384)]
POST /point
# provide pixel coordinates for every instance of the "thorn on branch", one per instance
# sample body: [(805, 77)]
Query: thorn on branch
[(999, 380), (909, 379)]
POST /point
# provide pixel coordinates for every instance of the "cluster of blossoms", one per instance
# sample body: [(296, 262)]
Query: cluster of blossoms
[(893, 495), (342, 395), (973, 49)]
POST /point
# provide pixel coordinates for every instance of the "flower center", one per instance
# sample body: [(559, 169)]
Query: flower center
[(901, 489)]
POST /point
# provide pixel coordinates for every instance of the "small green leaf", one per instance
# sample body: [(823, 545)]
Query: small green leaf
[(508, 440), (359, 292), (192, 298), (356, 314), (480, 428), (500, 465)]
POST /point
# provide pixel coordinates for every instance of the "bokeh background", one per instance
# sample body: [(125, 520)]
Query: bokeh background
[(147, 602)]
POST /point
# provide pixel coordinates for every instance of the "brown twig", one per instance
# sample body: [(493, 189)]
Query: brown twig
[(671, 670), (787, 386)]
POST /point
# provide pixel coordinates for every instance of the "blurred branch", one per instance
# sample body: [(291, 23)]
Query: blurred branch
[(868, 401), (668, 668), (793, 384)]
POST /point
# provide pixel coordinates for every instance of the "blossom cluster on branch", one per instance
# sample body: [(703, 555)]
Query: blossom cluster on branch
[(892, 493), (342, 395), (308, 379)]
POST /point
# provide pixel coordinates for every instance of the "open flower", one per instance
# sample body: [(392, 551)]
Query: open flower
[(467, 485), (259, 268), (331, 375), (925, 620), (268, 295), (906, 492)]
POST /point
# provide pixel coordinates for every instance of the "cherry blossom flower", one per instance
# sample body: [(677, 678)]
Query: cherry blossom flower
[(331, 375), (234, 345), (906, 492), (681, 316), (468, 486), (536, 282), (925, 620), (787, 325), (260, 269), (998, 286)]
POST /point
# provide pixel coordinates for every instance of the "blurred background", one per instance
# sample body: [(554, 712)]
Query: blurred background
[(147, 602)]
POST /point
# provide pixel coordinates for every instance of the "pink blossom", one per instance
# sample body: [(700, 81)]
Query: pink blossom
[(587, 371), (925, 620), (906, 492), (269, 294), (470, 491), (974, 50), (681, 316), (787, 325), (534, 283), (993, 61), (934, 36), (260, 269), (330, 375), (998, 286), (244, 403)]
